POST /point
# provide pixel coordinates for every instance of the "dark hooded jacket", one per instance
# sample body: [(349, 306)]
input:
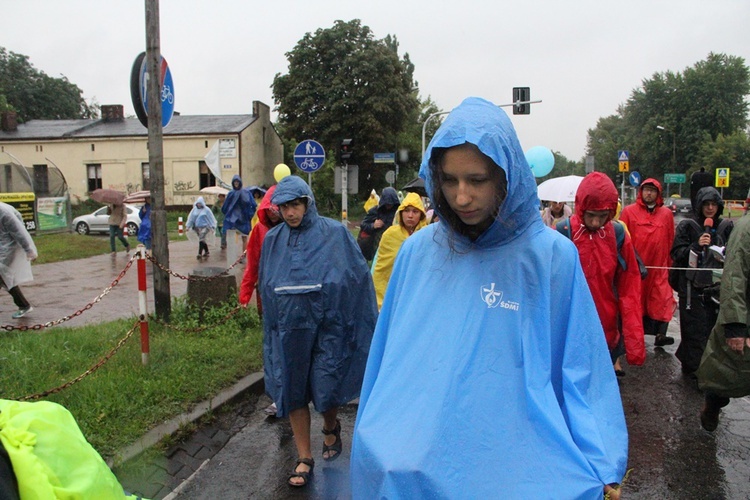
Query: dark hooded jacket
[(689, 231), (652, 232), (317, 296), (369, 238)]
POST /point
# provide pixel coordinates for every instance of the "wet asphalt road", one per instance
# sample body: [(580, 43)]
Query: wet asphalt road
[(670, 455)]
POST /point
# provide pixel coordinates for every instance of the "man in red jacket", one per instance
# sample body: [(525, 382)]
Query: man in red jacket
[(651, 227), (611, 272)]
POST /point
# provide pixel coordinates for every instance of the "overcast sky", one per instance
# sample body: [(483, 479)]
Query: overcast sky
[(581, 57)]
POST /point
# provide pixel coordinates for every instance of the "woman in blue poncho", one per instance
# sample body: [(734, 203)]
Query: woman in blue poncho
[(201, 220), (488, 345), (319, 313)]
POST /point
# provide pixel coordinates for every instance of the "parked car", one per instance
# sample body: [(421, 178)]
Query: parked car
[(679, 205), (98, 221)]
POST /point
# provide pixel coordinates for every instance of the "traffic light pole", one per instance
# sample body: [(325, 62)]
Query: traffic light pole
[(344, 194)]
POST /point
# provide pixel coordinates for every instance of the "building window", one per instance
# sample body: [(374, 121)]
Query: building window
[(146, 175), (206, 177), (41, 180), (94, 174)]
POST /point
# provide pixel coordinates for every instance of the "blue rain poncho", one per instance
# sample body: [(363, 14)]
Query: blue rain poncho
[(488, 374), (200, 215), (239, 207), (319, 309)]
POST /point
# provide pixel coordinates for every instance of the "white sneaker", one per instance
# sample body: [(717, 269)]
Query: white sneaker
[(271, 409), (22, 312)]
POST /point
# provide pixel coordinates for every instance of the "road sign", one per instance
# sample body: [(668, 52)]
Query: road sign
[(675, 178), (722, 177), (384, 158), (390, 177), (623, 159), (635, 179), (139, 78), (309, 156)]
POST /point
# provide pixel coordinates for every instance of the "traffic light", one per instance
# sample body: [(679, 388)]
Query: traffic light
[(521, 94), (345, 151)]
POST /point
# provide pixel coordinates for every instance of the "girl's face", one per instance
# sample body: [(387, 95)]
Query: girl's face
[(710, 209), (411, 217), (469, 187)]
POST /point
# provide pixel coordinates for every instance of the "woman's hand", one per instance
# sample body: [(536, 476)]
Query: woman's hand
[(704, 240)]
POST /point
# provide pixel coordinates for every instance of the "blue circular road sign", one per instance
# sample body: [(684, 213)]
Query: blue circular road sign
[(635, 179), (139, 90), (309, 156)]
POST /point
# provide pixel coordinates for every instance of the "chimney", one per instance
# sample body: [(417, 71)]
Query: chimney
[(9, 121), (113, 112)]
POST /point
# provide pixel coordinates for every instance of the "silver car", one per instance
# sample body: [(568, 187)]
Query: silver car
[(98, 221)]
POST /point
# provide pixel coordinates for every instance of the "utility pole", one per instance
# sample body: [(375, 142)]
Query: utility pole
[(162, 295)]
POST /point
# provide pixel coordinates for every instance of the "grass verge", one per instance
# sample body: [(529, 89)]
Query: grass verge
[(122, 400)]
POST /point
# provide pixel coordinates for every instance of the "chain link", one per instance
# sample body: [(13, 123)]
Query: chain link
[(87, 372), (195, 278), (49, 324)]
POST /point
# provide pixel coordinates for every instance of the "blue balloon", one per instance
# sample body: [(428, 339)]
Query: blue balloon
[(541, 160)]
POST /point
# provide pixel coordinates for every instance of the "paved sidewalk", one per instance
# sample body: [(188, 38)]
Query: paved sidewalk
[(62, 288)]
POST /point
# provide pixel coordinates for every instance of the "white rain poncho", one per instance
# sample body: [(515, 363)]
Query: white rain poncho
[(16, 247)]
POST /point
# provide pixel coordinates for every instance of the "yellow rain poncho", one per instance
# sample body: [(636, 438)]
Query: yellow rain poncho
[(392, 239), (372, 201)]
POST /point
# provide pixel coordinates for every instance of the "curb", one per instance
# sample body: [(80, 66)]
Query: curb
[(252, 383)]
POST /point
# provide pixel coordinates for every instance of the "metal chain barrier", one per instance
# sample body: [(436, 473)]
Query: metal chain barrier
[(195, 278), (23, 328), (87, 372)]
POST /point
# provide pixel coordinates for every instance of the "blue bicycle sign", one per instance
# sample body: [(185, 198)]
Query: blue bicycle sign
[(309, 156)]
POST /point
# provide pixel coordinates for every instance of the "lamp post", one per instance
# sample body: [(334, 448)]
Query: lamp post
[(674, 152)]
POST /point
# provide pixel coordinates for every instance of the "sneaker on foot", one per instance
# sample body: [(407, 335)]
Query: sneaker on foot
[(22, 312), (662, 340), (198, 257)]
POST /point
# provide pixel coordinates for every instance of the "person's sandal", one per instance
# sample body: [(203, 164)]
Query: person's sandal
[(336, 446), (305, 476)]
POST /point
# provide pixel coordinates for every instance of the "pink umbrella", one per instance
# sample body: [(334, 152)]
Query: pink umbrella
[(108, 196), (137, 197)]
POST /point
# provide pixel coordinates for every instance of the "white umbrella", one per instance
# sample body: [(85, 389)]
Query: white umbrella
[(214, 190), (560, 189)]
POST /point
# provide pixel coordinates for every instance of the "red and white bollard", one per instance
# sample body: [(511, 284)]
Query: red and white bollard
[(143, 304), (180, 231), (125, 230)]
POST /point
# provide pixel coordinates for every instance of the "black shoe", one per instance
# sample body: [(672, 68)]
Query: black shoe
[(710, 417), (662, 340)]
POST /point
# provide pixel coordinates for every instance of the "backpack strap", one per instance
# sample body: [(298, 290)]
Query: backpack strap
[(620, 239)]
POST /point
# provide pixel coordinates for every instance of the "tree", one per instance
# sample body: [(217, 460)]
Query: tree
[(344, 83), (693, 107), (35, 95), (729, 151)]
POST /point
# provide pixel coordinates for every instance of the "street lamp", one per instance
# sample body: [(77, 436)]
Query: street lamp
[(674, 145)]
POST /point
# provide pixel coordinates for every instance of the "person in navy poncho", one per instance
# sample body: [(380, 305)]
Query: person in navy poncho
[(319, 312), (488, 374)]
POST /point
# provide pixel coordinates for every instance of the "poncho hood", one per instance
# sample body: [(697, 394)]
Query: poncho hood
[(265, 206), (596, 192), (236, 177), (479, 122), (292, 187), (389, 196), (411, 200), (653, 182)]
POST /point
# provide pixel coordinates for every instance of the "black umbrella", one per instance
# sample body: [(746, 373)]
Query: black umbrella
[(415, 186)]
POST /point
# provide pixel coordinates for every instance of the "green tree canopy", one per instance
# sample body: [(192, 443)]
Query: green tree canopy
[(35, 95), (345, 83), (693, 109)]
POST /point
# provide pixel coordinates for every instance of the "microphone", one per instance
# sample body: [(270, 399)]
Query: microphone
[(707, 225)]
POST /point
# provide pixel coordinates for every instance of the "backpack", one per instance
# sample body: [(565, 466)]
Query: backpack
[(563, 227)]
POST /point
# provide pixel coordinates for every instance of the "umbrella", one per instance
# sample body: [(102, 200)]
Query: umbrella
[(416, 186), (214, 190), (560, 189), (137, 197), (107, 196), (257, 191)]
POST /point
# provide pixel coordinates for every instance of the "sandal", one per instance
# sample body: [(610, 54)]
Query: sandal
[(336, 446), (305, 476)]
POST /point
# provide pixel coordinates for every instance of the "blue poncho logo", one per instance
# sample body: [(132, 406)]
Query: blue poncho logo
[(493, 298)]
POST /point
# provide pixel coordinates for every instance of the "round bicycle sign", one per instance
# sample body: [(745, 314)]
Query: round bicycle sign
[(139, 78), (309, 156)]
